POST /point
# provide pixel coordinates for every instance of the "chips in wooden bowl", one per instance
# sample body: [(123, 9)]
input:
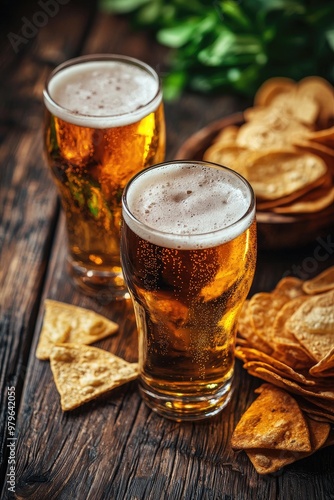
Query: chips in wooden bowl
[(290, 128), (284, 146)]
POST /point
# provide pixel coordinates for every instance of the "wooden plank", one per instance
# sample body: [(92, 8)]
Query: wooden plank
[(28, 200), (116, 448)]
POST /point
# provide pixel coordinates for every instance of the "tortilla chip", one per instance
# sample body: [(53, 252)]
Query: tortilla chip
[(227, 135), (277, 174), (298, 334), (270, 461), (317, 393), (286, 348), (325, 367), (315, 411), (246, 331), (282, 316), (83, 373), (290, 286), (253, 357), (273, 365), (320, 149), (301, 107), (228, 155), (273, 132), (290, 199), (292, 353), (285, 147), (324, 404), (263, 307), (325, 135), (314, 201), (322, 92), (320, 283), (68, 323), (313, 324), (273, 421), (273, 87)]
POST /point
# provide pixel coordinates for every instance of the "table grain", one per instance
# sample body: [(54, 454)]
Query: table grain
[(115, 447)]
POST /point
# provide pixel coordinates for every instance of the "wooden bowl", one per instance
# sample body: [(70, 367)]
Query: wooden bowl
[(275, 231)]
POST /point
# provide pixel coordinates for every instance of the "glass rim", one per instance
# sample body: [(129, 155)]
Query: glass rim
[(250, 212), (74, 117)]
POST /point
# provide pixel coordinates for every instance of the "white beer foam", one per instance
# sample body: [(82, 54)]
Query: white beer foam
[(102, 94), (185, 206)]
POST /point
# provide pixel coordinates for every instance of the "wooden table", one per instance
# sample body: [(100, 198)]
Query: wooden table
[(115, 447)]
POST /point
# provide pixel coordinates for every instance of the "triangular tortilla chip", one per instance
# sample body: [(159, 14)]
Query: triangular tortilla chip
[(323, 413), (262, 309), (313, 324), (83, 373), (323, 392), (320, 283), (269, 461), (68, 323), (325, 367), (273, 421), (247, 332), (290, 286)]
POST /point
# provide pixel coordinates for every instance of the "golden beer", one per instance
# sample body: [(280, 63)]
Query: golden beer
[(104, 123), (188, 247)]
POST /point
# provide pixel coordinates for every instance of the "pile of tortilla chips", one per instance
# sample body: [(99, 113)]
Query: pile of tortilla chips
[(285, 148), (81, 372), (286, 338)]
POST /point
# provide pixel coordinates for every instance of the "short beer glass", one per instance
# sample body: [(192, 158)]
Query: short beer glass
[(104, 123), (188, 251)]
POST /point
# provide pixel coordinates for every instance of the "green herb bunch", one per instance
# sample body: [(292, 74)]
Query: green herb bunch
[(236, 45)]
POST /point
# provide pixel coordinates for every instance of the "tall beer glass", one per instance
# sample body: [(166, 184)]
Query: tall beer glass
[(188, 251), (104, 123)]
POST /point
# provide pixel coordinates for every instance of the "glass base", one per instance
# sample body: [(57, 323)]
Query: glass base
[(104, 286), (186, 408)]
